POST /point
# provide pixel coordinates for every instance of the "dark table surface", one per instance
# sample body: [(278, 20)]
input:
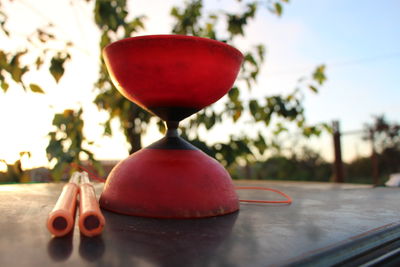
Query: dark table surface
[(325, 224)]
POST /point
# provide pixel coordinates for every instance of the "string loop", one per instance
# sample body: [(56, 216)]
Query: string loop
[(288, 200)]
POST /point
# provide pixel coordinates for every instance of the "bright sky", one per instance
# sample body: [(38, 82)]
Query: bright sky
[(358, 40)]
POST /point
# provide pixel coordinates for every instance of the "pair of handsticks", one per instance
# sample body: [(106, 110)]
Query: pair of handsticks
[(61, 219)]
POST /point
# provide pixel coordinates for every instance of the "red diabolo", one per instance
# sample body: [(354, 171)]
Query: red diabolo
[(171, 76)]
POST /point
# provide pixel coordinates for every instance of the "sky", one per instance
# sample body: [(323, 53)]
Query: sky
[(357, 40)]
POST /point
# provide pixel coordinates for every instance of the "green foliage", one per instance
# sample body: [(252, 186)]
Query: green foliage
[(319, 75), (385, 137), (278, 8), (236, 22), (66, 143), (111, 18), (359, 170), (57, 65), (313, 88), (12, 68), (307, 165), (189, 18), (111, 14), (36, 88), (192, 20), (15, 173), (3, 20), (385, 134)]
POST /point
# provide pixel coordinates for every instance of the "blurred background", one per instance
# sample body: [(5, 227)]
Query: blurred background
[(317, 98)]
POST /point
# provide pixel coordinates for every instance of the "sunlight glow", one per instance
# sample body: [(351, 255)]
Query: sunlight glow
[(26, 118)]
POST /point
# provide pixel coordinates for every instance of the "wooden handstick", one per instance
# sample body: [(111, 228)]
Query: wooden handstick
[(91, 220), (62, 218)]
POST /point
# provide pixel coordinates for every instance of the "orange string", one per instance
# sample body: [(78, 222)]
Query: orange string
[(289, 200)]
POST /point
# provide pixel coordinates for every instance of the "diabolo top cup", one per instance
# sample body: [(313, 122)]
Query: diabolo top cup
[(172, 76)]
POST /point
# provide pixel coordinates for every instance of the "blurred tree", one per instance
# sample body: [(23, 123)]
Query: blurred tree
[(386, 135), (111, 17), (66, 143), (306, 165), (385, 139), (15, 173), (42, 48), (113, 20), (359, 170)]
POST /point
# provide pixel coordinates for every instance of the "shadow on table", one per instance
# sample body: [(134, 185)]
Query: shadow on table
[(130, 240), (164, 242), (91, 248), (60, 248)]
